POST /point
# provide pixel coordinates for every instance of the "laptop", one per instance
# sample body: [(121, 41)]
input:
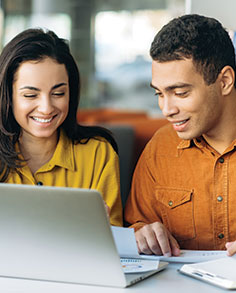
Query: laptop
[(59, 234)]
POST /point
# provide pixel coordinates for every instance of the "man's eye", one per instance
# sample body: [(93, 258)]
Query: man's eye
[(159, 95), (181, 94)]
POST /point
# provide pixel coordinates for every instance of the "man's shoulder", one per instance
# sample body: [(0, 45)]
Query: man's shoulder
[(164, 140), (165, 134)]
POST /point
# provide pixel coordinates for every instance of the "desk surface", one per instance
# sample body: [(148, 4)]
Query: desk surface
[(166, 281)]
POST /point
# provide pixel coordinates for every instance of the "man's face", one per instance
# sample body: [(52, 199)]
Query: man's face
[(193, 107)]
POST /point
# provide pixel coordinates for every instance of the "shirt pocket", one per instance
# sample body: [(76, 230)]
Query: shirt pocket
[(176, 206)]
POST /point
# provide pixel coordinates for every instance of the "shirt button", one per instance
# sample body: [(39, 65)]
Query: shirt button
[(219, 198), (221, 160), (39, 183), (170, 203), (221, 236)]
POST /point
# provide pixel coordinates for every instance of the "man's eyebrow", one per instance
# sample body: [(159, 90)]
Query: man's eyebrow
[(174, 86), (28, 87), (151, 85)]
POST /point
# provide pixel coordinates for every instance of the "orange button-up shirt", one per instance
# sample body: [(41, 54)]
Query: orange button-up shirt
[(187, 186)]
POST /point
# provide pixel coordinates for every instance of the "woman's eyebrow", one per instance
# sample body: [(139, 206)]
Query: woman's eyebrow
[(28, 87), (58, 85)]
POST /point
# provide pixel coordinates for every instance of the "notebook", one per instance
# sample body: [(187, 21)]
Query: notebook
[(220, 272), (59, 234)]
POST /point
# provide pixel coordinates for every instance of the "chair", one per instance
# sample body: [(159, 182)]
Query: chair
[(124, 136)]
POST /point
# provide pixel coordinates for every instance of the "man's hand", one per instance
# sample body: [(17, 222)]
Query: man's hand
[(231, 248), (156, 239)]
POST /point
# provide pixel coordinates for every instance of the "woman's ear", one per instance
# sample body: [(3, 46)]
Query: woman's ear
[(227, 78)]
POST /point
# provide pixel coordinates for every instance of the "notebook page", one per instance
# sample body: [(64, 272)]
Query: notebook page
[(127, 247)]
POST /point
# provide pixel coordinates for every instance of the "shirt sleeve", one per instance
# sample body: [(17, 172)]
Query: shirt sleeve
[(141, 206), (107, 181)]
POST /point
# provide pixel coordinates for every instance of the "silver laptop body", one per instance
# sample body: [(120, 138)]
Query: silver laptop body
[(59, 234)]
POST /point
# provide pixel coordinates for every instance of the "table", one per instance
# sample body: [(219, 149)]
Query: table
[(166, 281)]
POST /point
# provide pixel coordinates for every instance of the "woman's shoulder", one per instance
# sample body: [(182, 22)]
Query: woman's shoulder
[(96, 143), (94, 135)]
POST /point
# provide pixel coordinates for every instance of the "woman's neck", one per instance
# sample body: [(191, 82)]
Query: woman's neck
[(37, 151)]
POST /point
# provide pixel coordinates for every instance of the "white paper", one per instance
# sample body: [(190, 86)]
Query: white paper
[(132, 265), (127, 247), (125, 242), (190, 256)]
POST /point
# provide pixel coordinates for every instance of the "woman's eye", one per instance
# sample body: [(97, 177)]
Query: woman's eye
[(59, 94), (30, 95)]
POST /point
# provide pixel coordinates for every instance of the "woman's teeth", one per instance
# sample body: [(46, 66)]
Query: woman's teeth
[(42, 120)]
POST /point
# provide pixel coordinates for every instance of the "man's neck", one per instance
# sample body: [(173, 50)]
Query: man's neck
[(221, 141), (224, 133)]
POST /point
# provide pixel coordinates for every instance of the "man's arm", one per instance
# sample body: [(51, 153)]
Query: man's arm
[(142, 211)]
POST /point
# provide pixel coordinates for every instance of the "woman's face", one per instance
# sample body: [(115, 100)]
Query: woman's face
[(40, 97)]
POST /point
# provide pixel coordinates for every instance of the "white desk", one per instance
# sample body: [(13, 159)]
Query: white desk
[(166, 281)]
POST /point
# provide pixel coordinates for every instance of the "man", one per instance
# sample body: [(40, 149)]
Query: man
[(183, 193)]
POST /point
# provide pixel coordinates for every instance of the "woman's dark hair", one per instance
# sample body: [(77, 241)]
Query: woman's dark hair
[(36, 44), (196, 37)]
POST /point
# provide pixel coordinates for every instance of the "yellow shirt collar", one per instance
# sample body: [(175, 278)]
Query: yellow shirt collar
[(63, 155)]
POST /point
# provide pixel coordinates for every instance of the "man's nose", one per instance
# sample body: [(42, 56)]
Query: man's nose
[(168, 106)]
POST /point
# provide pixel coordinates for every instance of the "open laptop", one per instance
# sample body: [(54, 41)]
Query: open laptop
[(59, 234)]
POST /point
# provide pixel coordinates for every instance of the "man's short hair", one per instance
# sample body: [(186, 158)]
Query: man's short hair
[(202, 39)]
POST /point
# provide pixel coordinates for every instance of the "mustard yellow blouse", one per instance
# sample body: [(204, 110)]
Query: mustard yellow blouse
[(92, 165)]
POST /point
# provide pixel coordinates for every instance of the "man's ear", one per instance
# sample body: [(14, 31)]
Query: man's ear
[(227, 77)]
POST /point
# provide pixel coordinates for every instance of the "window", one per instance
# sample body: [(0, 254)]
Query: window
[(122, 61)]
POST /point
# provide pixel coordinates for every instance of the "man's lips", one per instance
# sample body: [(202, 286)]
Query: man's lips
[(180, 125), (179, 122)]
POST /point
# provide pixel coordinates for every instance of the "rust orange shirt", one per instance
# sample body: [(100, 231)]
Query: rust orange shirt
[(189, 187)]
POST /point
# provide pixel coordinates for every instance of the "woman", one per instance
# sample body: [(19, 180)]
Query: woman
[(40, 140)]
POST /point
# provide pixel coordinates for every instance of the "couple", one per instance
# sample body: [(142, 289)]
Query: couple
[(182, 194)]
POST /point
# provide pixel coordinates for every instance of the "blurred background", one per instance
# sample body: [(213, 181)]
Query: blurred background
[(110, 41)]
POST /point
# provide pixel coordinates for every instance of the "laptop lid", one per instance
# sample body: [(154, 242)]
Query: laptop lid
[(58, 234)]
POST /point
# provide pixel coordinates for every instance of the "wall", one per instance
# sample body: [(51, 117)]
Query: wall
[(224, 11)]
